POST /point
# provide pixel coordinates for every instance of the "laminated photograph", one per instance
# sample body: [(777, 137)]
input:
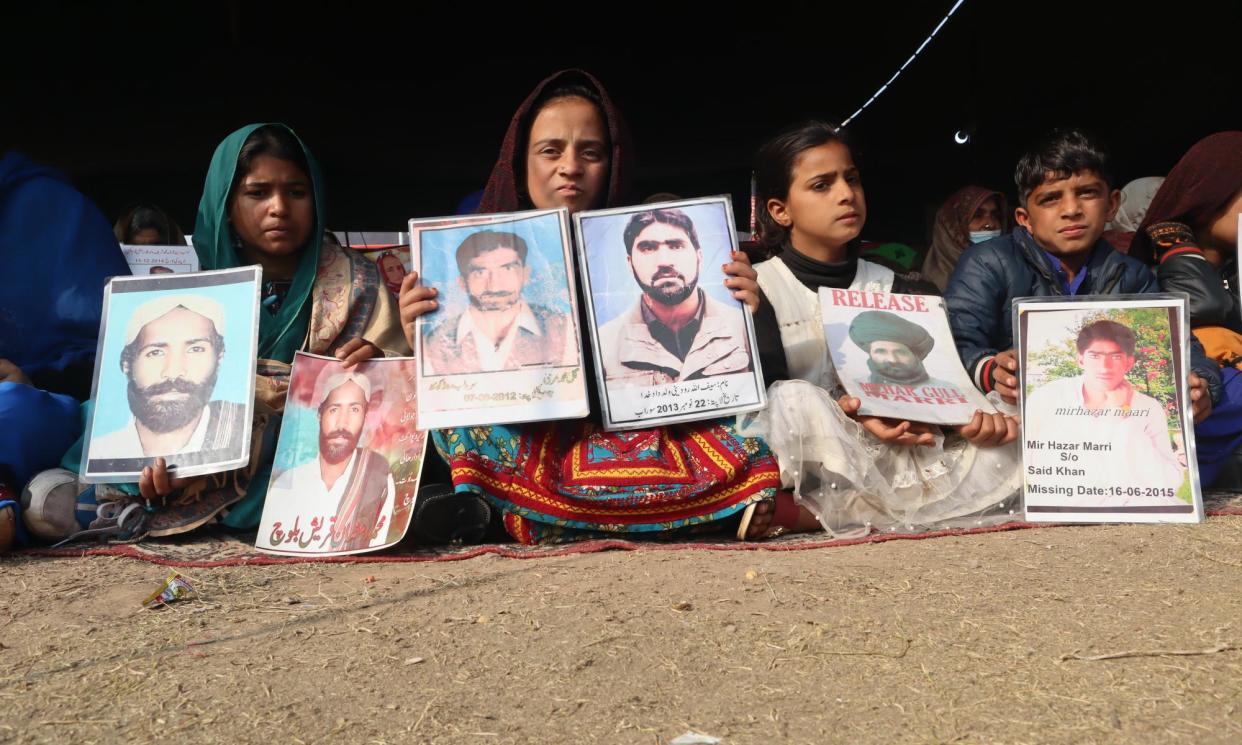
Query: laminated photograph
[(145, 260), (1107, 427), (503, 344), (392, 264), (174, 375), (347, 464), (895, 354), (671, 343)]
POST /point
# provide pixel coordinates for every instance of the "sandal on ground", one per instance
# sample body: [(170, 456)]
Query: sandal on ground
[(784, 516)]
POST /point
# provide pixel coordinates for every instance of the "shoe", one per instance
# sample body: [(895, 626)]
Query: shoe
[(50, 505), (442, 516)]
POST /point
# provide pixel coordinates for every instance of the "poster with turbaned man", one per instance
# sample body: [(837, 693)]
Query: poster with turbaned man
[(895, 354)]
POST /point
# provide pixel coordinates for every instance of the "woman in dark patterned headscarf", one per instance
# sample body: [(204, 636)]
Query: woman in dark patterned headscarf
[(567, 146), (1191, 232), (972, 215)]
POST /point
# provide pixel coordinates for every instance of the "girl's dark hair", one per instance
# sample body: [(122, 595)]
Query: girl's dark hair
[(272, 140), (144, 215), (774, 167)]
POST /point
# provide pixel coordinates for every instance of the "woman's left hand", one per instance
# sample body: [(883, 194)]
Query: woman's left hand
[(357, 350), (743, 280)]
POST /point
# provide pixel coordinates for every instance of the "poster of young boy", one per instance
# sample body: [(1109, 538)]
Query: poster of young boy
[(348, 460), (671, 343), (895, 354), (174, 375), (1106, 422), (503, 344)]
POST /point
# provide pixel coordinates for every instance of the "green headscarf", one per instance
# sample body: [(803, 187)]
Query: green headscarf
[(281, 333)]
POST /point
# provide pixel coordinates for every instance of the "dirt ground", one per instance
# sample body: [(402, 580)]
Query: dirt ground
[(983, 638)]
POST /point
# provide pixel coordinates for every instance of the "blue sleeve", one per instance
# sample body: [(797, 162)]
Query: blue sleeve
[(975, 298)]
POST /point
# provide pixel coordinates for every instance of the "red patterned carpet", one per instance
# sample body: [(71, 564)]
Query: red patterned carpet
[(217, 548)]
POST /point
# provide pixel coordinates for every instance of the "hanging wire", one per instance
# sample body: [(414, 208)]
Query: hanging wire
[(884, 87)]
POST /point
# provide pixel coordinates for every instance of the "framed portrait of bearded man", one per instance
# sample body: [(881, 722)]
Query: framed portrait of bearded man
[(174, 375), (671, 343)]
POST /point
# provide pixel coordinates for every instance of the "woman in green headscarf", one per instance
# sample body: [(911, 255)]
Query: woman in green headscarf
[(263, 204)]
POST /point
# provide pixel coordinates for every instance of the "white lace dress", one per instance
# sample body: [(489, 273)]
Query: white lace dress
[(848, 478)]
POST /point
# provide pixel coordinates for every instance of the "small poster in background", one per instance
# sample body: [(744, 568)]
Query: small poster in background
[(145, 260), (1107, 425), (392, 263), (348, 460), (895, 354)]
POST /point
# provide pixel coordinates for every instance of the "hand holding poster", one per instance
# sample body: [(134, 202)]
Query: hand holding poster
[(503, 344), (671, 343), (895, 354), (347, 464), (1106, 422), (174, 375)]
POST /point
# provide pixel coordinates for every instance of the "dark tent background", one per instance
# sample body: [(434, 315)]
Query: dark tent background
[(406, 111)]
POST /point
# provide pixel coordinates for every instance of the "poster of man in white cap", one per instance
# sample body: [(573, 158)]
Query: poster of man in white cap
[(348, 460), (174, 376), (895, 353)]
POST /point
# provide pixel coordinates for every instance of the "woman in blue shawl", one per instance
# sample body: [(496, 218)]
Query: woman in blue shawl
[(58, 251)]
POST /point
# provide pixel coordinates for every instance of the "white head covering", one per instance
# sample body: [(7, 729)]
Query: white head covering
[(1136, 197), (331, 378), (162, 306)]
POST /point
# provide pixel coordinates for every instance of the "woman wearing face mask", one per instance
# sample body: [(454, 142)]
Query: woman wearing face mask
[(562, 481), (972, 215)]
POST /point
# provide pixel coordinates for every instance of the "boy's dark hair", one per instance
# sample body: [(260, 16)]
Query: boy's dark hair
[(1060, 154)]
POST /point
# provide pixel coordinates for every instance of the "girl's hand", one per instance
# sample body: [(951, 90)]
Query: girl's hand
[(743, 280), (890, 431)]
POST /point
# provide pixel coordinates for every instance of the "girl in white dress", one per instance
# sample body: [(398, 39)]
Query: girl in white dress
[(856, 474)]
